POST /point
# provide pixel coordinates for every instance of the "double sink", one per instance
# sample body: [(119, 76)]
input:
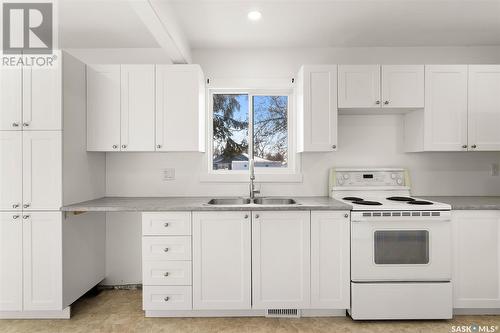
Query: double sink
[(256, 201)]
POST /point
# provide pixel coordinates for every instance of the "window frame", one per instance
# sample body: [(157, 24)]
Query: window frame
[(289, 174)]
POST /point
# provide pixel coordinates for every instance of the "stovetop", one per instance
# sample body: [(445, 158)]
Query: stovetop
[(391, 202)]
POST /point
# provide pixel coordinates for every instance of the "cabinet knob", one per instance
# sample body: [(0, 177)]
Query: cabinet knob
[(334, 146), (16, 205), (166, 299), (256, 216), (124, 146), (15, 124), (15, 217), (165, 224), (25, 217), (26, 124), (27, 205), (346, 215), (464, 146), (165, 274), (115, 146), (158, 146), (246, 216), (474, 146), (377, 102), (165, 249), (386, 102)]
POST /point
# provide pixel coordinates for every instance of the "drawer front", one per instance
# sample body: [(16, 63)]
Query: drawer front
[(167, 298), (166, 273), (174, 224), (166, 248)]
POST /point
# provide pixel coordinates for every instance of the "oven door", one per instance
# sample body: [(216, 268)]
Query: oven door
[(398, 248)]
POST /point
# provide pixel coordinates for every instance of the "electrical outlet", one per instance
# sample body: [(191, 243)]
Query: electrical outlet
[(494, 169), (168, 174)]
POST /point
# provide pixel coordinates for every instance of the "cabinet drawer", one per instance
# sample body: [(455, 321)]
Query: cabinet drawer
[(166, 248), (167, 298), (174, 223), (166, 273)]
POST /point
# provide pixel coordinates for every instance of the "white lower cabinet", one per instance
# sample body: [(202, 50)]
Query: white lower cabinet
[(281, 259), (31, 261), (330, 260), (476, 251), (167, 298), (221, 260)]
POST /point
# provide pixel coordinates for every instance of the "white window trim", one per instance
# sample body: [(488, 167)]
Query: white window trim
[(290, 174)]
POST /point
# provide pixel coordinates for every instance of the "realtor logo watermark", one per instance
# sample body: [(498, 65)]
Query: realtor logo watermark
[(474, 328), (28, 33)]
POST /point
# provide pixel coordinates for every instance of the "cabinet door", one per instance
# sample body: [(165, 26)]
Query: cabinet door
[(11, 170), (42, 254), (403, 86), (359, 86), (180, 108), (42, 170), (221, 260), (281, 259), (103, 108), (476, 271), (317, 113), (445, 113), (11, 262), (11, 90), (42, 98), (330, 260), (137, 107), (484, 107)]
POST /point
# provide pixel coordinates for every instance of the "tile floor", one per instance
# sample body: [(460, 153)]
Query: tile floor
[(120, 311)]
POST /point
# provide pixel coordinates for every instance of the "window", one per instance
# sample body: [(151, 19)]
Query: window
[(250, 124)]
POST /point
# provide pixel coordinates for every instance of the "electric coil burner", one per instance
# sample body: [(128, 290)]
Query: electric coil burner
[(400, 247)]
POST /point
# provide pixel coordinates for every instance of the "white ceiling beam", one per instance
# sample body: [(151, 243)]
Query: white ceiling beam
[(159, 18)]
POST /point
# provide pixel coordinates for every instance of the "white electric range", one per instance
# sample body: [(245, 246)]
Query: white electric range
[(400, 246)]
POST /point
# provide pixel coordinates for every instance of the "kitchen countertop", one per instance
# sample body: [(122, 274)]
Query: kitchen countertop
[(467, 202), (148, 204)]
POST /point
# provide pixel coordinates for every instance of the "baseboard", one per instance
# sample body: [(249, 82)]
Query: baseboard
[(476, 311), (63, 314), (239, 313)]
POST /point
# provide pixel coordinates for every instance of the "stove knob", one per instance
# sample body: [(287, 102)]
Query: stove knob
[(400, 181), (346, 176), (340, 181), (393, 175)]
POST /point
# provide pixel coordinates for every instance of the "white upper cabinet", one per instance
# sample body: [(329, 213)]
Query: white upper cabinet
[(11, 170), (137, 107), (222, 260), (42, 261), (317, 108), (42, 170), (445, 113), (11, 98), (281, 259), (42, 98), (103, 108), (402, 86), (11, 261), (359, 86), (484, 107), (330, 260), (180, 108)]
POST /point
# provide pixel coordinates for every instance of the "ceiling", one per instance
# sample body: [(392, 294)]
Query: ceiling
[(330, 23)]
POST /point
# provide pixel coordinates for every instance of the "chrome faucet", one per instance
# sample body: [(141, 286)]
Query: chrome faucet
[(253, 191)]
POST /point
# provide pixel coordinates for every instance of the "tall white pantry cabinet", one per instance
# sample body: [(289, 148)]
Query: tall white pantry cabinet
[(34, 234)]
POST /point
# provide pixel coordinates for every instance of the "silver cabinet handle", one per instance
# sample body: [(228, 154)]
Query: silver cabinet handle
[(16, 205), (115, 146), (15, 217), (346, 215), (158, 146), (15, 124), (26, 124), (124, 146), (165, 249), (25, 217), (386, 102), (246, 216), (27, 205), (464, 146), (165, 274), (256, 216), (165, 224), (377, 102), (474, 146), (334, 146), (166, 299)]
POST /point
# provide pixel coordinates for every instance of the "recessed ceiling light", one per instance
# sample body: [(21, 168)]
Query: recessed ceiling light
[(254, 15)]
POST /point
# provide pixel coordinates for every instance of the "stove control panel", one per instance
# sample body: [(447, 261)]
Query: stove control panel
[(368, 178)]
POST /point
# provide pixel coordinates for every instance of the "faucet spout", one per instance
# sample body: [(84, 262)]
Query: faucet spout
[(253, 191)]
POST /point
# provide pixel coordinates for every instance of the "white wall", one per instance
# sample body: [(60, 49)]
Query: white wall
[(363, 141)]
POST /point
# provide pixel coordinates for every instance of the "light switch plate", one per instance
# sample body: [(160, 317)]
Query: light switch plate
[(168, 174)]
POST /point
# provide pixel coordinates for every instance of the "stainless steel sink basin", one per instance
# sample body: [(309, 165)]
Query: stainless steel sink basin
[(230, 201), (274, 201)]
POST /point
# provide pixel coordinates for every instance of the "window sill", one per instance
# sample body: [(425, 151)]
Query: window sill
[(245, 178)]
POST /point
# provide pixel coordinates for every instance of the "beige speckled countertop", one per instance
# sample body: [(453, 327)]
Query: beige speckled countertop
[(148, 204), (467, 202)]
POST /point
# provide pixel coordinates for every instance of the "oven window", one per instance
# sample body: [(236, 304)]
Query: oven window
[(401, 247)]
